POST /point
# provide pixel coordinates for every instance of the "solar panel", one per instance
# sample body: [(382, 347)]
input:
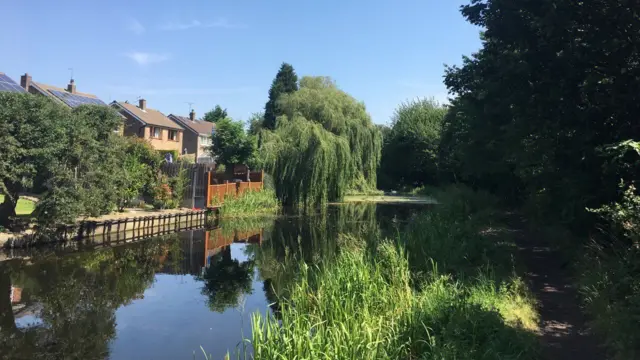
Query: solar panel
[(7, 84), (74, 100)]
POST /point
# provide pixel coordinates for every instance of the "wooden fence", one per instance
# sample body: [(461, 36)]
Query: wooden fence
[(217, 191)]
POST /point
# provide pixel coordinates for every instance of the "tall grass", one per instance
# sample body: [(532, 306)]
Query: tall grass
[(441, 291), (251, 203), (609, 282)]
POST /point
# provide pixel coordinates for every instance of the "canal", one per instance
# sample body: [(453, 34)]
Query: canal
[(166, 297)]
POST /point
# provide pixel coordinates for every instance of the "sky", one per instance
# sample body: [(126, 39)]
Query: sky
[(209, 52)]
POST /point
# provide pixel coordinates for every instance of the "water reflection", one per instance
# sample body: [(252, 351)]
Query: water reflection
[(167, 296)]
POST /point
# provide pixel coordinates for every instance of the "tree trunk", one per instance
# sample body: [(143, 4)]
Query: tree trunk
[(8, 209)]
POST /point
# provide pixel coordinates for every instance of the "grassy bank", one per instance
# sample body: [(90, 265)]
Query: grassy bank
[(251, 203), (445, 288)]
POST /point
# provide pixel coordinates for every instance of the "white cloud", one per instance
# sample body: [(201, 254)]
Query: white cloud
[(193, 24), (143, 58), (149, 91), (136, 27)]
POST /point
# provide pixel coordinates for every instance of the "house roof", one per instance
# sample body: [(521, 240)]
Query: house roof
[(7, 84), (65, 97), (149, 116), (197, 126)]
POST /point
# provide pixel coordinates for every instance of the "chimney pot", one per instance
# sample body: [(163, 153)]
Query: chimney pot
[(192, 115), (25, 81), (142, 104), (71, 87)]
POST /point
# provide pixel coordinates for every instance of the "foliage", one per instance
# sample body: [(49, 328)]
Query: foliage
[(537, 103), (215, 115), (324, 145), (230, 143), (168, 191), (544, 116), (255, 123), (83, 179), (251, 203), (285, 82), (175, 154), (139, 165), (385, 318), (32, 133), (309, 165), (410, 152), (610, 287)]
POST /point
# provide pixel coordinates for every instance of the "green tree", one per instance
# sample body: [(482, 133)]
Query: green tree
[(285, 82), (84, 177), (215, 115), (33, 133), (230, 144), (324, 145), (410, 152), (554, 82)]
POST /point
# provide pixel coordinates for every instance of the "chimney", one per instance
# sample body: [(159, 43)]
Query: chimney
[(192, 115), (25, 81), (71, 87), (142, 104)]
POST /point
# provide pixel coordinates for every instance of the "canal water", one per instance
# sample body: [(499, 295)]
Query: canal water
[(169, 297)]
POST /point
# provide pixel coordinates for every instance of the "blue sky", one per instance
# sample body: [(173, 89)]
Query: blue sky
[(212, 52)]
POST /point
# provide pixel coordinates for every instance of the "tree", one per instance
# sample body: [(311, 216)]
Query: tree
[(324, 145), (83, 179), (255, 123), (215, 115), (33, 133), (410, 152), (230, 144), (285, 82), (554, 82)]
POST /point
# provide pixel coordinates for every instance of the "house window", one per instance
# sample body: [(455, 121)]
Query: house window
[(173, 135), (156, 133), (204, 140)]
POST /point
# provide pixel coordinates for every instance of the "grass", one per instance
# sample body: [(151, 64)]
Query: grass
[(251, 203), (610, 287), (24, 207), (444, 289)]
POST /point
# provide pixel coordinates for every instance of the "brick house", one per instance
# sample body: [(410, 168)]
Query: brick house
[(197, 136), (162, 132), (69, 96)]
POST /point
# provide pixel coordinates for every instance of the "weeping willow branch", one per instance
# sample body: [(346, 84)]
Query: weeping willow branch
[(323, 146)]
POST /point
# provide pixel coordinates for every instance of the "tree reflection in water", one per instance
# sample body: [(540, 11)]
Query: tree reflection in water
[(72, 301), (226, 280)]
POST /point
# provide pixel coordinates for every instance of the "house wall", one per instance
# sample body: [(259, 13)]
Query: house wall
[(190, 142), (163, 143), (133, 127), (202, 148)]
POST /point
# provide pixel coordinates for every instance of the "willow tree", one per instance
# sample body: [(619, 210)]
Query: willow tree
[(324, 144)]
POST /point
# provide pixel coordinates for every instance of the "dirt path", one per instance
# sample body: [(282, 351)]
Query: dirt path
[(563, 330)]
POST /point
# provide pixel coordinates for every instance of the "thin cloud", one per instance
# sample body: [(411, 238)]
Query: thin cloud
[(149, 91), (144, 58), (136, 27), (197, 24)]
